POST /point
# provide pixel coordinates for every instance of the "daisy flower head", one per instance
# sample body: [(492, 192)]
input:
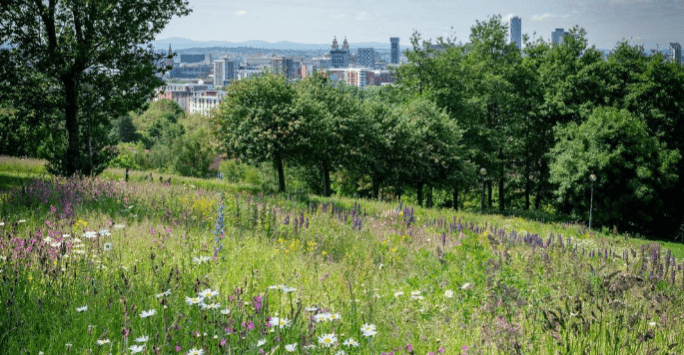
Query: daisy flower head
[(148, 313), (367, 327), (323, 317), (82, 309), (327, 340), (341, 352), (165, 293), (119, 226), (90, 235), (280, 322), (276, 287), (466, 286), (311, 309), (289, 289), (136, 349), (291, 347), (415, 293), (261, 342), (369, 333), (417, 297), (56, 244), (107, 246), (211, 306), (335, 316), (208, 293), (351, 342), (193, 300), (102, 341), (142, 339), (47, 239), (196, 352), (397, 294), (105, 233), (225, 311), (449, 294)]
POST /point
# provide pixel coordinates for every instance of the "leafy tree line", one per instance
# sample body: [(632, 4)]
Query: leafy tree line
[(540, 120)]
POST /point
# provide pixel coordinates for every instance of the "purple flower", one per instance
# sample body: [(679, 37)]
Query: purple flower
[(178, 348)]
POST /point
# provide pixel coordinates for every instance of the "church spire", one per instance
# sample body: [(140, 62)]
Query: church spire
[(334, 45), (345, 45)]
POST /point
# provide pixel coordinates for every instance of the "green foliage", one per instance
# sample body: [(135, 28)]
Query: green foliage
[(80, 63), (633, 168), (256, 122)]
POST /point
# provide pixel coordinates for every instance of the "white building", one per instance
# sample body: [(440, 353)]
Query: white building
[(203, 103)]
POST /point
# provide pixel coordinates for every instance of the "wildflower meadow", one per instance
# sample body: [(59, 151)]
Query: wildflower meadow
[(181, 266)]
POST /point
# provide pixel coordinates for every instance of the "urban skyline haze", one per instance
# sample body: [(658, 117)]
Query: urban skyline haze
[(646, 22)]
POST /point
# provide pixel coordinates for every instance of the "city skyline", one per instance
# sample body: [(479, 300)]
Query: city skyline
[(649, 23)]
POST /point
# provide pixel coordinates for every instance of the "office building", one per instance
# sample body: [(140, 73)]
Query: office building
[(190, 71), (394, 50), (283, 65), (516, 31), (558, 35), (203, 103), (192, 58), (225, 70), (676, 52), (366, 57)]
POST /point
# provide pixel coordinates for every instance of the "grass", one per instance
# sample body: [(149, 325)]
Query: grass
[(428, 280)]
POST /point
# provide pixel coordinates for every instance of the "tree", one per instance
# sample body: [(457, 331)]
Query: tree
[(330, 115), (256, 122), (76, 45), (634, 168)]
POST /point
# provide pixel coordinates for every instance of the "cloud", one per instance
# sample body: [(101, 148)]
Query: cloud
[(241, 13), (508, 17), (543, 17)]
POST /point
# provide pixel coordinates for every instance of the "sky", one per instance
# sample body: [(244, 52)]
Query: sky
[(643, 22)]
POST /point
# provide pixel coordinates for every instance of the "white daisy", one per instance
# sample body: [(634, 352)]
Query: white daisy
[(335, 316), (208, 293), (341, 352), (449, 294), (291, 347), (77, 240), (415, 293), (397, 294), (368, 327), (280, 322), (136, 349), (369, 333), (119, 226), (102, 341), (142, 339), (149, 313), (47, 239), (21, 221), (211, 306), (196, 352), (261, 342), (466, 286), (225, 311), (327, 340), (322, 317), (417, 297), (351, 342), (311, 309), (193, 300), (105, 233), (276, 287), (108, 246), (82, 309), (89, 235), (66, 235), (289, 289), (56, 244)]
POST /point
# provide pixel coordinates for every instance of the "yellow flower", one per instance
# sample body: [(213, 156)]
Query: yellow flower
[(394, 250), (324, 253)]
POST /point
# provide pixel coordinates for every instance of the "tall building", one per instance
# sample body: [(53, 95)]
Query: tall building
[(516, 31), (676, 52), (339, 57), (225, 70), (366, 57), (558, 35), (283, 65), (394, 50)]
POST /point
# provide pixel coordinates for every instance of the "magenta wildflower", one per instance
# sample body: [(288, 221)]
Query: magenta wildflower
[(178, 348)]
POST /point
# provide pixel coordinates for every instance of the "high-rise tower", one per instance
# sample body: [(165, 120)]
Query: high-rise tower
[(516, 31), (169, 57), (558, 35), (394, 42), (676, 52)]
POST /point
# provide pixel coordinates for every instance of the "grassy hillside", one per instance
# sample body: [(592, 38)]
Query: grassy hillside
[(196, 266)]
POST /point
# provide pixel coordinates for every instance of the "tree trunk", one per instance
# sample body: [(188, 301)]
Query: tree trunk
[(528, 182), (455, 194), (429, 203), (501, 183), (376, 187), (278, 164), (326, 180), (489, 194), (72, 163), (419, 190)]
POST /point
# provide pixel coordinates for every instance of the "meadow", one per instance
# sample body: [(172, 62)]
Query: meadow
[(176, 265)]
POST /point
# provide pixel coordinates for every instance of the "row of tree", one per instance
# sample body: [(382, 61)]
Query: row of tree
[(540, 121)]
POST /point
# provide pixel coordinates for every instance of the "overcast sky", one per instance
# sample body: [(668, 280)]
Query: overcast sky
[(646, 22)]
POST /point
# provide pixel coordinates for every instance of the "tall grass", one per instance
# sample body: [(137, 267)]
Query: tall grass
[(279, 270)]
